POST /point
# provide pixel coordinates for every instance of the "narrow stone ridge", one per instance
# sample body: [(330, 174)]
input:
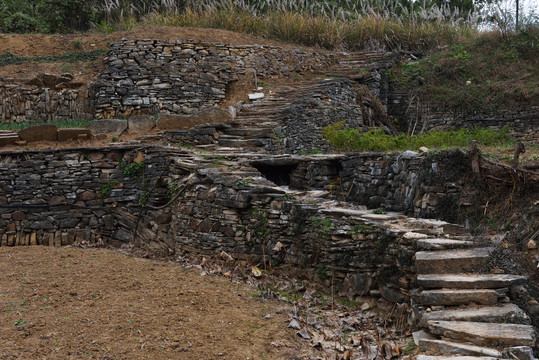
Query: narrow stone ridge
[(469, 281), (443, 346), (442, 244), (491, 314), (484, 333), (465, 315)]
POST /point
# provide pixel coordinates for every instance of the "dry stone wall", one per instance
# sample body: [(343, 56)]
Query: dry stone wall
[(56, 197), (523, 123), (23, 102), (422, 185), (183, 77), (94, 196)]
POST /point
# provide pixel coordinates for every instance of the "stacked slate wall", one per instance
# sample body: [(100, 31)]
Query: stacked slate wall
[(183, 77), (56, 197), (31, 103)]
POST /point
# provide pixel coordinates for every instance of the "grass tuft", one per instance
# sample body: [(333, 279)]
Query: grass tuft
[(347, 139)]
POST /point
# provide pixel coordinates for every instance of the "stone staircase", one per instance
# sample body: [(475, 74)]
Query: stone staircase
[(256, 123), (464, 314)]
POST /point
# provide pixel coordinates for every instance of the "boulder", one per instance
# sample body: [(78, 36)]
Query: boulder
[(177, 122), (65, 134), (140, 123), (49, 80), (113, 127), (39, 132)]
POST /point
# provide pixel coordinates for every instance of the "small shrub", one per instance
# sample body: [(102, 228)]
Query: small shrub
[(133, 170), (107, 188), (77, 44)]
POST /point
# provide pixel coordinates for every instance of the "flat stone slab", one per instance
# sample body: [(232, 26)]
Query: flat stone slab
[(113, 127), (504, 313), (414, 235), (140, 123), (485, 334), (176, 122), (442, 244), (469, 281), (45, 132), (447, 347), (458, 297), (451, 261)]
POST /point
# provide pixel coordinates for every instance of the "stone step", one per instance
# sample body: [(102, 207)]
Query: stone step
[(503, 313), (430, 357), (485, 334), (469, 281), (459, 297), (451, 261), (250, 131), (442, 244), (241, 142), (447, 347)]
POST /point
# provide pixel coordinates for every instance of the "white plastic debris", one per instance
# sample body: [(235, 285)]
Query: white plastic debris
[(256, 96)]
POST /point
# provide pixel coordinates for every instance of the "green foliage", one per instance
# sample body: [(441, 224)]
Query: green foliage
[(173, 189), (49, 16), (7, 58), (484, 74), (348, 139), (322, 226), (63, 15), (77, 44), (107, 188), (288, 197), (20, 22), (133, 170)]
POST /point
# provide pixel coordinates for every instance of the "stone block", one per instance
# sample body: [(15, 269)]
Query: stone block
[(45, 132), (8, 138), (112, 127), (176, 122), (140, 123), (65, 134)]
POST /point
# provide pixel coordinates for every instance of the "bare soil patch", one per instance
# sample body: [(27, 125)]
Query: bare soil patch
[(68, 303)]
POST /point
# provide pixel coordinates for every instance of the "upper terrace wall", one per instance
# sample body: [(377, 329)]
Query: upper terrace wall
[(37, 103), (183, 77)]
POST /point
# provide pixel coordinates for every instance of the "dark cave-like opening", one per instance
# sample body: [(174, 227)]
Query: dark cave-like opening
[(278, 174)]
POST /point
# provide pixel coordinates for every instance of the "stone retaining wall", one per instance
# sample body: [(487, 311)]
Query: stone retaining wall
[(422, 185), (32, 103), (94, 196), (56, 197), (183, 77), (523, 123)]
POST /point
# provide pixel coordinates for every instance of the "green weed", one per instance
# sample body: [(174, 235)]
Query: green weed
[(348, 139), (107, 188)]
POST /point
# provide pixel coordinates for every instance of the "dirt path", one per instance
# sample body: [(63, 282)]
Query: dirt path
[(66, 303)]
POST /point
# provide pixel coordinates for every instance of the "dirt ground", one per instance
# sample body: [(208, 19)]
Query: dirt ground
[(69, 303)]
